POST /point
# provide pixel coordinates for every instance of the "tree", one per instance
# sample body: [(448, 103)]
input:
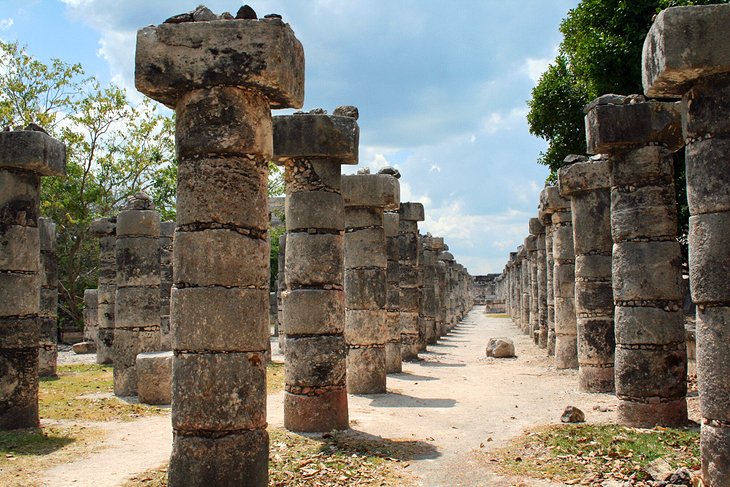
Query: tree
[(600, 53), (113, 149)]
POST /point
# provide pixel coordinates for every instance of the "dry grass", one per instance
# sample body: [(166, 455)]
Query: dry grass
[(589, 454), (334, 459), (274, 378)]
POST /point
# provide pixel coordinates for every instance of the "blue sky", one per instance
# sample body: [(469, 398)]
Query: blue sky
[(441, 88)]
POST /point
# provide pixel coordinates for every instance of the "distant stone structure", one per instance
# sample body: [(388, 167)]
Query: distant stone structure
[(166, 241), (105, 229), (409, 216), (48, 312)]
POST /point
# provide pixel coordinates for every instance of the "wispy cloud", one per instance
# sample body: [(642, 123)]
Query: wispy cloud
[(5, 24)]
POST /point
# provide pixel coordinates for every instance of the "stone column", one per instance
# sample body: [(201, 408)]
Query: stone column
[(393, 357), (434, 246), (366, 197), (222, 78), (566, 344), (651, 354), (25, 156), (312, 147), (525, 290), (48, 311), (280, 288), (538, 231), (106, 230), (448, 259), (91, 315), (167, 231), (410, 214), (441, 318), (545, 214), (685, 54), (531, 247), (137, 302), (587, 186)]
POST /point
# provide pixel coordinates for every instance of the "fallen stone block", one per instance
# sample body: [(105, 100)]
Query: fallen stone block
[(82, 348), (154, 377), (500, 348)]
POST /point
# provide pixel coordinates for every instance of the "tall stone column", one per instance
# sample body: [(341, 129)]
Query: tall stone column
[(366, 197), (312, 147), (409, 216), (587, 185), (48, 311), (393, 357), (25, 156), (566, 342), (91, 315), (685, 54), (280, 289), (222, 77), (105, 229), (441, 318), (651, 353), (548, 195), (137, 301), (428, 290), (525, 289), (448, 259), (538, 231), (167, 231)]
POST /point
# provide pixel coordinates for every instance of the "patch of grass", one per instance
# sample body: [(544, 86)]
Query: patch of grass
[(335, 459), (274, 378), (498, 315), (596, 452), (25, 452), (62, 397)]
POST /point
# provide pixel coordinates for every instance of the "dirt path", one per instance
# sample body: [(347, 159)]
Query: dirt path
[(452, 402)]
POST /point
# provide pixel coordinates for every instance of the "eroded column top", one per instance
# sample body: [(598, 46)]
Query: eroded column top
[(317, 135), (376, 190), (412, 212), (585, 176), (103, 227), (551, 202), (683, 45), (531, 243), (536, 227), (34, 151), (616, 122), (263, 55)]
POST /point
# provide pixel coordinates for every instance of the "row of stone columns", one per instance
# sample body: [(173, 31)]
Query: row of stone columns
[(616, 274)]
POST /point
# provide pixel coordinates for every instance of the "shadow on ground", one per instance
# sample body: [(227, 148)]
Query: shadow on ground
[(397, 400)]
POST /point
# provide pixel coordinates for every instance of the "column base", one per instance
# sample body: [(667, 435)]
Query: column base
[(233, 460), (715, 452), (648, 415), (105, 346), (393, 358), (566, 352), (19, 387), (366, 370), (316, 414), (595, 379)]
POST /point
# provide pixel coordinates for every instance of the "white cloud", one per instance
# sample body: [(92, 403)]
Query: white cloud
[(535, 67), (434, 168), (498, 121), (5, 24), (407, 194)]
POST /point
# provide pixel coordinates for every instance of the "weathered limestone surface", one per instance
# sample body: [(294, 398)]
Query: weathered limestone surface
[(429, 305), (686, 54), (105, 230), (154, 373), (312, 147), (393, 357), (280, 288), (587, 185), (25, 156), (537, 229), (222, 77), (545, 211), (167, 231), (566, 341), (533, 319), (137, 302), (48, 312), (366, 197), (409, 216), (91, 319), (651, 355)]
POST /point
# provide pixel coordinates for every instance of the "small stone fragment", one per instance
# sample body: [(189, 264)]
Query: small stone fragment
[(391, 171), (203, 14), (347, 111), (500, 348), (272, 16), (82, 348), (226, 16), (573, 415), (318, 111), (682, 476), (364, 170), (35, 128), (246, 13), (180, 18), (139, 201)]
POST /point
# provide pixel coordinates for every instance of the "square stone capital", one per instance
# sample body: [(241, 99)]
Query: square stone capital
[(531, 243), (309, 135), (103, 227), (612, 127), (536, 227), (375, 190), (683, 45), (584, 176), (260, 55), (32, 151), (550, 202), (410, 211), (446, 257)]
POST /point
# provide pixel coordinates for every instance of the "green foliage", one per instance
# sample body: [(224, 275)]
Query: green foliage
[(114, 150)]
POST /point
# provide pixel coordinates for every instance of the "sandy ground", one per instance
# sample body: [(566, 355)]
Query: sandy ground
[(454, 401)]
